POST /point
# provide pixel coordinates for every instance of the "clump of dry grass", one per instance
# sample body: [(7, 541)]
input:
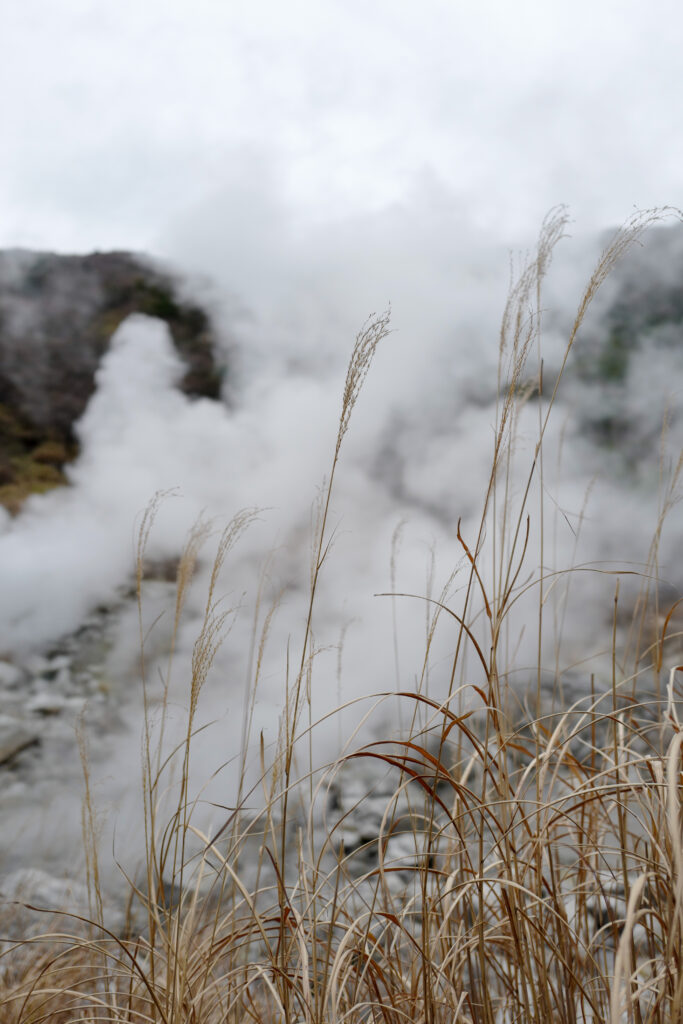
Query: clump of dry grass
[(524, 866)]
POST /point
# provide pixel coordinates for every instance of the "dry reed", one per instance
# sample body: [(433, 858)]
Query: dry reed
[(527, 866)]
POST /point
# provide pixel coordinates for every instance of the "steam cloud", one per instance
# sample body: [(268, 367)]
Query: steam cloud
[(416, 459)]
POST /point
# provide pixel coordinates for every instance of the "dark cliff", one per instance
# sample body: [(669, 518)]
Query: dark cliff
[(57, 315)]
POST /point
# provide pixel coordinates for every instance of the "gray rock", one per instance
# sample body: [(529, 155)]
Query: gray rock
[(14, 736), (28, 885), (10, 675), (46, 704), (33, 903), (57, 316)]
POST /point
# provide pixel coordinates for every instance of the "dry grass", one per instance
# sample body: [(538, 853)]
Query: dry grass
[(528, 865)]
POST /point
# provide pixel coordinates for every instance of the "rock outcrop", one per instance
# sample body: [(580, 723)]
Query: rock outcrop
[(57, 315), (629, 355)]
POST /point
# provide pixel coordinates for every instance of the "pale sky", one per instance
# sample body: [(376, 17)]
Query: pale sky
[(118, 119)]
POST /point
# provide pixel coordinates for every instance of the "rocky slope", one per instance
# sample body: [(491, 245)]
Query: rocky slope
[(57, 315)]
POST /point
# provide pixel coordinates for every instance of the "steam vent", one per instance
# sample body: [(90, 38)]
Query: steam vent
[(57, 316)]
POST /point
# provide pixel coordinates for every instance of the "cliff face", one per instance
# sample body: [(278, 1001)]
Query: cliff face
[(57, 315), (629, 364)]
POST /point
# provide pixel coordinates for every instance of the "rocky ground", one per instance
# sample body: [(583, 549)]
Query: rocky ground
[(43, 698)]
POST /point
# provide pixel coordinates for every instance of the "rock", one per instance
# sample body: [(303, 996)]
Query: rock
[(635, 330), (46, 704), (35, 903), (36, 664), (28, 885), (14, 736), (10, 675), (57, 673), (57, 315)]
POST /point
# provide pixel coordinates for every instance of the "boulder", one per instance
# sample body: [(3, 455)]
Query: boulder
[(34, 903), (14, 736)]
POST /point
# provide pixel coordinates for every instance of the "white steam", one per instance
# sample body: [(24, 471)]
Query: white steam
[(415, 461)]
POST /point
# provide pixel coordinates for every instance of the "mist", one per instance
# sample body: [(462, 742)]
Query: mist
[(303, 170), (414, 468)]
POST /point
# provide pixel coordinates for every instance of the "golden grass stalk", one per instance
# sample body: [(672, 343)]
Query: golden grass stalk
[(507, 864)]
